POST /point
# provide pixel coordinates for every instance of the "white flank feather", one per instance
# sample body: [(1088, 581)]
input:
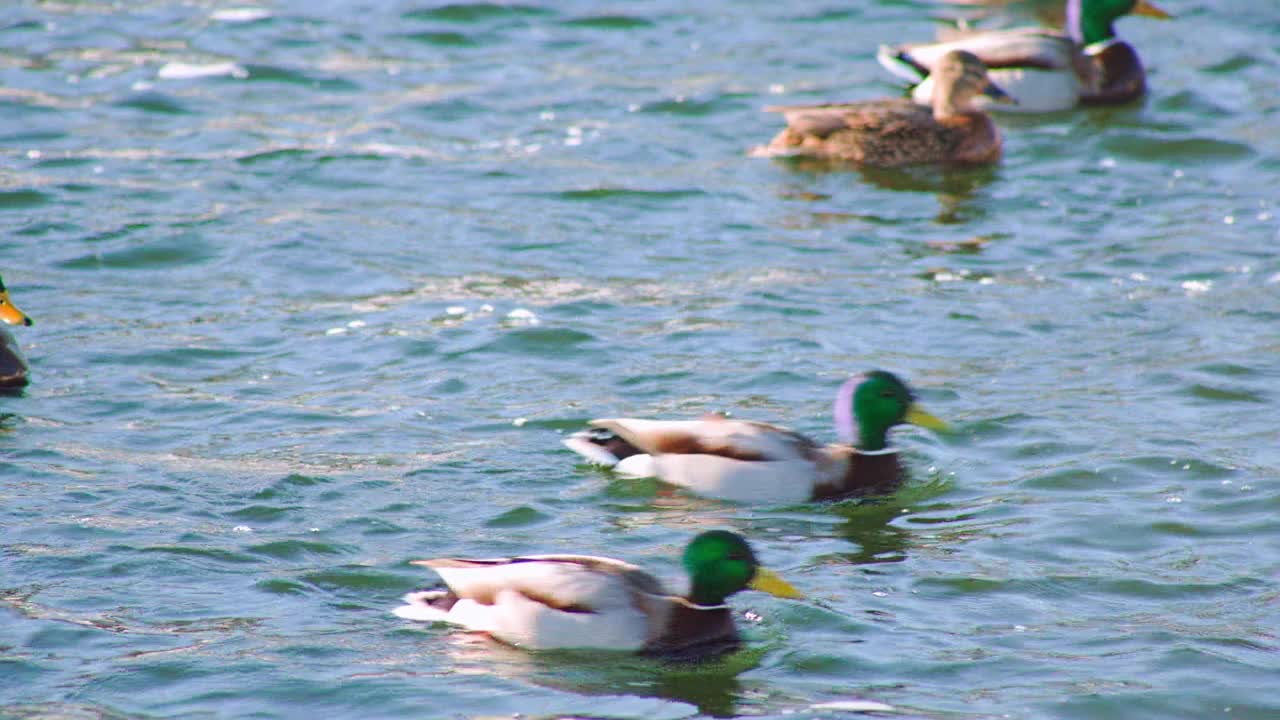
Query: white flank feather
[(518, 620), (1037, 91), (636, 466), (778, 481)]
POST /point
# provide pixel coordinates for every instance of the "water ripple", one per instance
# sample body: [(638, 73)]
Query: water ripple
[(318, 292)]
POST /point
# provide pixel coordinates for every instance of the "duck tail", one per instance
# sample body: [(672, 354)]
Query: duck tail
[(427, 605), (899, 63), (600, 446)]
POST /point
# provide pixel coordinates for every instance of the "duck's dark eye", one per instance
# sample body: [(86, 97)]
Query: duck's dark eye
[(888, 394)]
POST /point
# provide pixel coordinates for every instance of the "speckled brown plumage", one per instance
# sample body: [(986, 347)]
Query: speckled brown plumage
[(892, 132), (886, 133)]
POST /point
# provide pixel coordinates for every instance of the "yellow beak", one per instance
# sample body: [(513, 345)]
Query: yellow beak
[(1149, 9), (10, 312), (770, 582), (917, 415)]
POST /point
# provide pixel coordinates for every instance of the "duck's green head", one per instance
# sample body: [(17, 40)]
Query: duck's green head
[(9, 312), (868, 405), (720, 563), (1092, 21)]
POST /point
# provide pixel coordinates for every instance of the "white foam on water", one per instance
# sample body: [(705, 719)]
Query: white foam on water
[(240, 15), (195, 71)]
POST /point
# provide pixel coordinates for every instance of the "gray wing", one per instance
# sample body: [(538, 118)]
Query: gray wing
[(1022, 47)]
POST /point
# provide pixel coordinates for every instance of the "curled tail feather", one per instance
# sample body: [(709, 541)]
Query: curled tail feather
[(900, 64), (427, 605), (600, 446)]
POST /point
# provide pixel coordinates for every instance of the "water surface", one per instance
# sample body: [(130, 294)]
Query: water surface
[(318, 288)]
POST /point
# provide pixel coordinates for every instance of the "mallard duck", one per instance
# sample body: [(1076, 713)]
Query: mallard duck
[(13, 365), (1042, 69), (543, 602), (894, 131), (747, 461)]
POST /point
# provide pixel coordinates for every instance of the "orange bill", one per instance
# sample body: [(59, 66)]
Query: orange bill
[(10, 313), (1146, 8)]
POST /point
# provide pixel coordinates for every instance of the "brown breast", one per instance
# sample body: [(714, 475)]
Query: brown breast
[(865, 475), (1120, 75), (694, 634)]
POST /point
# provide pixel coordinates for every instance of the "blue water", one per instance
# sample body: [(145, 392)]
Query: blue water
[(319, 289)]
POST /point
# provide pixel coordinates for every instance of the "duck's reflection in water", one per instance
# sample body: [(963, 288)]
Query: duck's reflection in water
[(958, 190), (707, 681)]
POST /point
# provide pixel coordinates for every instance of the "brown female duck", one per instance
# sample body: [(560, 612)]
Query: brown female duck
[(892, 132)]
